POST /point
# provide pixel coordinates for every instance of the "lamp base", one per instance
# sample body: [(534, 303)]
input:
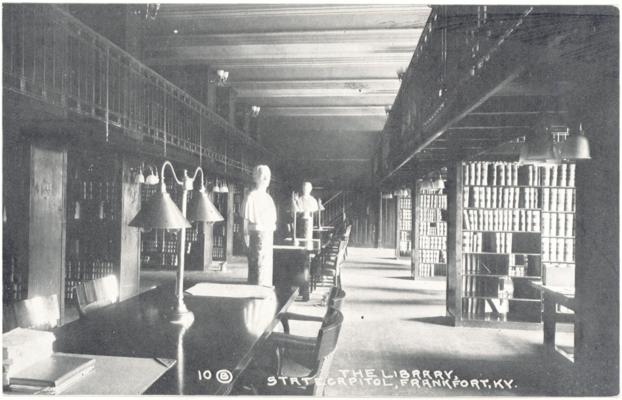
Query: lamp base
[(182, 316)]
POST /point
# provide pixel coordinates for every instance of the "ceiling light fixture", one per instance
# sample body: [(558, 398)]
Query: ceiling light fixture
[(222, 77)]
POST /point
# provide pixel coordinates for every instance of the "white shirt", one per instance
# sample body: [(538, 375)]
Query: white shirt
[(260, 211)]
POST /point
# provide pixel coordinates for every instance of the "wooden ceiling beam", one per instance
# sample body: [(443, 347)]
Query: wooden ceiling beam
[(396, 37)]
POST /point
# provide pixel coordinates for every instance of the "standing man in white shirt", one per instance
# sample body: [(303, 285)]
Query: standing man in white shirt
[(259, 213)]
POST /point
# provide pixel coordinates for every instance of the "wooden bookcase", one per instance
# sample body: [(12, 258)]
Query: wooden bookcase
[(238, 235), (101, 199), (93, 220), (404, 223), (511, 222), (159, 247), (430, 250), (219, 235)]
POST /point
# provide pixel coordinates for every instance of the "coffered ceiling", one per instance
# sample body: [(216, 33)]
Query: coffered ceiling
[(321, 73)]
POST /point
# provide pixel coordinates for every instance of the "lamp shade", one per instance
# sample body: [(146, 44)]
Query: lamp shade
[(576, 147), (160, 212), (201, 209)]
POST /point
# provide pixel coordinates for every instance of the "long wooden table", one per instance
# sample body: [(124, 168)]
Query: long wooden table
[(210, 354), (551, 297)]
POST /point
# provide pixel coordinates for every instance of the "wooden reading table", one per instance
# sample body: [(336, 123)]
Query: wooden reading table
[(211, 353), (551, 297)]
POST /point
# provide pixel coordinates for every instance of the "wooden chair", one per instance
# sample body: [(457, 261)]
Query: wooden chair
[(335, 301), (312, 356), (41, 312), (330, 267), (95, 294)]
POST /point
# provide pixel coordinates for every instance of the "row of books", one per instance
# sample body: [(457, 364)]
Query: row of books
[(430, 215), (160, 260), (472, 242), (432, 269), (488, 286), (218, 241), (405, 247), (500, 197), (218, 253), (558, 250), (559, 175), (159, 246), (497, 173), (501, 220), (90, 190), (555, 199), (88, 269), (500, 173), (503, 243), (433, 229), (558, 224), (517, 270), (433, 201), (432, 242), (433, 256)]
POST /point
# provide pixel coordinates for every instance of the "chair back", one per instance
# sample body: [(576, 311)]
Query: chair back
[(329, 333), (336, 297), (41, 312), (98, 293)]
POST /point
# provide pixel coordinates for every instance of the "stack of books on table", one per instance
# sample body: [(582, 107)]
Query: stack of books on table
[(29, 363), (22, 348)]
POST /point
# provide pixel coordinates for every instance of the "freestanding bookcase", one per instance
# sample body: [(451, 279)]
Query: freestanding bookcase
[(430, 239), (511, 222)]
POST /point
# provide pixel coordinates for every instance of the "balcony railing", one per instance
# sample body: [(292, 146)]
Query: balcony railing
[(51, 56), (453, 52)]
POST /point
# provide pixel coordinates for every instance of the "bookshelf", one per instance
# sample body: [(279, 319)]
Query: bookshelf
[(513, 221), (238, 234), (93, 220), (159, 247), (430, 258), (405, 221), (219, 235)]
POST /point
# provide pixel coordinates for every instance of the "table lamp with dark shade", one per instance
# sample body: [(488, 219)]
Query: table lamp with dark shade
[(161, 212)]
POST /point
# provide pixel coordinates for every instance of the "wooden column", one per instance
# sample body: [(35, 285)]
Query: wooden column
[(597, 273), (379, 236), (229, 221), (397, 226), (46, 221), (414, 230), (208, 229), (129, 258), (454, 241)]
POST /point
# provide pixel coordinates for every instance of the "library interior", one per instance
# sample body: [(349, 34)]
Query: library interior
[(311, 198)]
